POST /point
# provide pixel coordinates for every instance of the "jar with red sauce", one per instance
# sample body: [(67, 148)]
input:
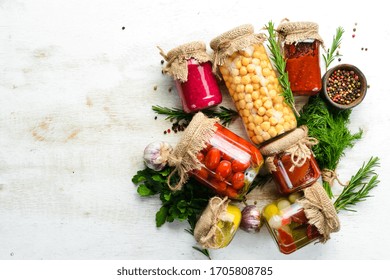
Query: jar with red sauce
[(216, 157), (301, 47), (190, 66), (301, 218), (291, 161)]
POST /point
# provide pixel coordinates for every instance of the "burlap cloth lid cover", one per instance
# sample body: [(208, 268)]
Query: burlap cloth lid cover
[(206, 229), (294, 32), (296, 143), (236, 39), (177, 59), (320, 211), (194, 139)]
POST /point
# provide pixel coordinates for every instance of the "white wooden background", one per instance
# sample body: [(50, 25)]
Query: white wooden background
[(76, 92)]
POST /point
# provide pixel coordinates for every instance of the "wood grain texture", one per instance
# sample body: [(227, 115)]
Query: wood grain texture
[(76, 91)]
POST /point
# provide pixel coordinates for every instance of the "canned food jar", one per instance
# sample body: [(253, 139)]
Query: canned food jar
[(291, 161), (222, 160), (301, 44), (218, 224), (195, 82), (252, 83), (301, 218)]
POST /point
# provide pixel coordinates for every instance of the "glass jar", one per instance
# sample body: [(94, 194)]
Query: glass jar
[(303, 67), (301, 45), (252, 83), (291, 161), (229, 164), (216, 157), (195, 82), (290, 225), (218, 224)]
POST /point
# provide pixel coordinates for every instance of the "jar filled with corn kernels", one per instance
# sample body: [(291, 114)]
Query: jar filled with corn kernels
[(291, 161), (190, 66), (301, 46), (301, 218), (216, 158), (252, 83)]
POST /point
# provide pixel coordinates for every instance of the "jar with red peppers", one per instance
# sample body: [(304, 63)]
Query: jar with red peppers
[(190, 66), (301, 46), (216, 157), (301, 218), (291, 161)]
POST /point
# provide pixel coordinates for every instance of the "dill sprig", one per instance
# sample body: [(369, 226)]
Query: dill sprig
[(280, 65), (359, 186), (330, 128), (330, 55), (225, 115)]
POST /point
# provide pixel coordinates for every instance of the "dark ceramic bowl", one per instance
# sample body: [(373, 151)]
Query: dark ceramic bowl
[(363, 86)]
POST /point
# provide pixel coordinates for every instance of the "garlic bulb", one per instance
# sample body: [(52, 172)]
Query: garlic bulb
[(156, 155), (251, 219)]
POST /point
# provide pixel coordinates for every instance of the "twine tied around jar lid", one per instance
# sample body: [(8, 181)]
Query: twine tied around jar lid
[(294, 32), (183, 158), (329, 176), (320, 211), (296, 143), (236, 39), (177, 59), (206, 229)]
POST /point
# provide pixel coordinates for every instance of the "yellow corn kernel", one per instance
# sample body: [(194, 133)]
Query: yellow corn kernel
[(270, 87), (263, 90), (248, 88), (255, 95), (265, 118), (266, 136), (286, 110), (242, 104), (256, 54), (250, 133), (224, 70), (237, 63), (249, 106), (273, 121), (256, 61), (261, 111), (268, 104), (265, 126), (235, 96), (270, 112), (258, 120), (250, 68), (246, 79), (248, 97), (266, 72), (258, 130), (245, 61), (235, 72), (272, 93), (251, 126), (286, 126), (259, 139), (251, 119), (278, 107), (255, 79), (245, 120), (279, 128), (254, 140), (272, 131), (264, 64), (256, 86), (263, 56), (278, 100), (258, 104), (246, 113), (240, 88), (243, 71)]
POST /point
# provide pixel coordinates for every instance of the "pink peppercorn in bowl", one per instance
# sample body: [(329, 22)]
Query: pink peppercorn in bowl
[(344, 86)]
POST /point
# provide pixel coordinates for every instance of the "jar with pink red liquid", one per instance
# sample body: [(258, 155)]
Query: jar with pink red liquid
[(190, 66)]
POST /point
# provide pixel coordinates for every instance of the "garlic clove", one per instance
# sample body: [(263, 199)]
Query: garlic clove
[(251, 219), (156, 155)]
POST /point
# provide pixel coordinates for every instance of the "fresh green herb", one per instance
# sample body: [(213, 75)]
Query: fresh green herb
[(359, 186), (280, 65), (226, 115), (203, 251), (330, 128), (330, 55), (182, 205)]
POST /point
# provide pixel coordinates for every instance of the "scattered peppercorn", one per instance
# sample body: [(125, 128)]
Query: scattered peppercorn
[(169, 89), (123, 28), (162, 61), (365, 49), (155, 117), (165, 132), (353, 35), (155, 88), (354, 30), (343, 86), (339, 59)]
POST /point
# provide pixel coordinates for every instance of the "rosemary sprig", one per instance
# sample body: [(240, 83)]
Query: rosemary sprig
[(359, 186), (330, 55), (225, 115), (280, 65)]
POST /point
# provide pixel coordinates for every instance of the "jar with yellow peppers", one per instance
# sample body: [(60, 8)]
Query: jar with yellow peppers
[(252, 83), (218, 223)]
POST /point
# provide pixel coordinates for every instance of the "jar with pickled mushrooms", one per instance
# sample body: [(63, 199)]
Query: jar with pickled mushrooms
[(218, 224), (301, 218), (215, 157), (252, 83), (190, 66), (291, 161), (301, 47)]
